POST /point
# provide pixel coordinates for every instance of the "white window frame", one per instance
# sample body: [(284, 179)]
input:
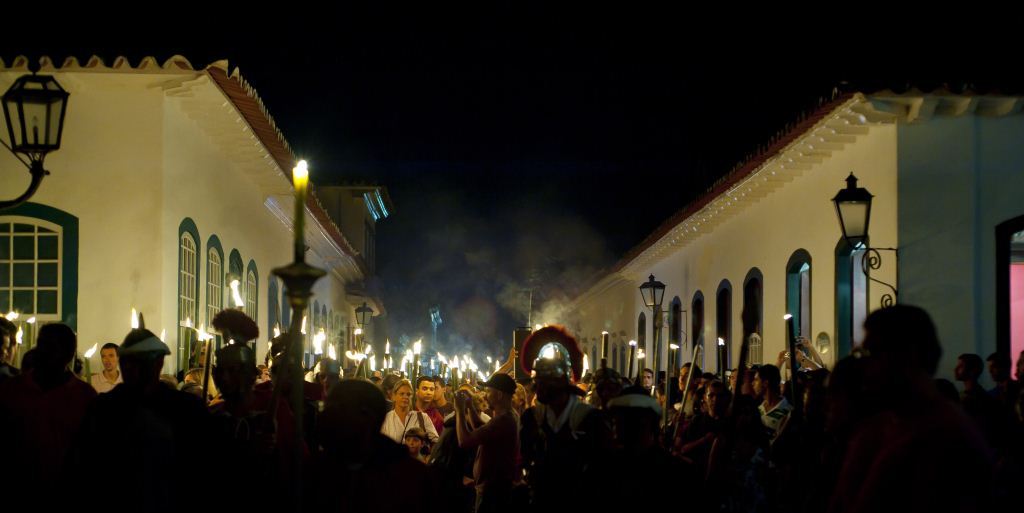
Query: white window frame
[(35, 288)]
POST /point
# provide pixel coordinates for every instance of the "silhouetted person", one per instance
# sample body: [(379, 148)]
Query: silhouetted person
[(361, 470), (908, 449), (41, 411), (561, 435), (496, 443), (1007, 390), (975, 400), (155, 434), (637, 462)]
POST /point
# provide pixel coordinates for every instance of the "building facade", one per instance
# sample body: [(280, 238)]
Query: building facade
[(171, 182), (947, 175)]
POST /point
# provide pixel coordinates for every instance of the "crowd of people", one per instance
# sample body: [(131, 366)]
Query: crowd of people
[(876, 432)]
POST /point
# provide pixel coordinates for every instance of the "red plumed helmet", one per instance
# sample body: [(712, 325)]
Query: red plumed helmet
[(552, 352)]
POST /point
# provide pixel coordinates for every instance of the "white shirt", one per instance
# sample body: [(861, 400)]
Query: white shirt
[(102, 384), (395, 428)]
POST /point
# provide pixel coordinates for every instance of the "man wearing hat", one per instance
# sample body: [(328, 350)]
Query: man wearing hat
[(155, 432), (561, 434), (497, 443)]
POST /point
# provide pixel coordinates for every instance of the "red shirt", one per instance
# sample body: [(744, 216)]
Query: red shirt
[(42, 422)]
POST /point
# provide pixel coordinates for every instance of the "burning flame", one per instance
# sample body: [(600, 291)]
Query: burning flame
[(358, 331), (497, 365), (92, 350), (368, 350), (586, 364), (640, 354), (318, 342), (331, 352), (135, 320), (604, 333), (163, 335), (277, 332), (373, 364), (303, 330), (387, 347), (31, 320), (721, 341), (12, 315), (18, 336), (787, 317), (632, 343), (417, 348), (300, 174), (490, 360), (673, 347), (442, 359), (236, 296)]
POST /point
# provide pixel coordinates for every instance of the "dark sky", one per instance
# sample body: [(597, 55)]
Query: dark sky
[(521, 158)]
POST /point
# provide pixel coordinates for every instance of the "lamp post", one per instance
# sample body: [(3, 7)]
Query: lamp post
[(653, 293), (34, 108), (853, 207)]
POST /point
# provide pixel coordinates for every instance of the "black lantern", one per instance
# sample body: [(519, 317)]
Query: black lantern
[(853, 206), (363, 314), (653, 293), (34, 109)]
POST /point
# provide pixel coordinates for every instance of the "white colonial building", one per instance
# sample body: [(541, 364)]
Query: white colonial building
[(947, 175), (170, 183)]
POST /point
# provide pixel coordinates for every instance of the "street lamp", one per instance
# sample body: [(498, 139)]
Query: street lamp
[(34, 108), (653, 293), (853, 207), (363, 314)]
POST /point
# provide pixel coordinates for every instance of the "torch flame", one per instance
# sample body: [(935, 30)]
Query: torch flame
[(303, 330), (417, 347), (640, 354), (331, 352), (18, 336), (300, 173), (163, 335), (586, 364), (632, 342), (135, 320), (373, 363), (673, 347), (721, 341), (787, 317), (277, 332), (387, 347), (358, 331), (92, 350), (31, 320)]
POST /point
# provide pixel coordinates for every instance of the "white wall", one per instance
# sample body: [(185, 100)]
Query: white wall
[(959, 178), (798, 215)]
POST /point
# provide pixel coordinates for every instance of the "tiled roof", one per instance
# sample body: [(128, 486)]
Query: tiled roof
[(241, 94)]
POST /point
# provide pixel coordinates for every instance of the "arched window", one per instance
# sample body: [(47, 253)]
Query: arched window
[(697, 324), (188, 288), (273, 306), (285, 306), (38, 266), (753, 305), (798, 291), (851, 296), (641, 333), (723, 323), (675, 325), (214, 278), (252, 291)]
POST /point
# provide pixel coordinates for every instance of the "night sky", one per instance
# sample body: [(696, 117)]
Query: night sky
[(525, 158)]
